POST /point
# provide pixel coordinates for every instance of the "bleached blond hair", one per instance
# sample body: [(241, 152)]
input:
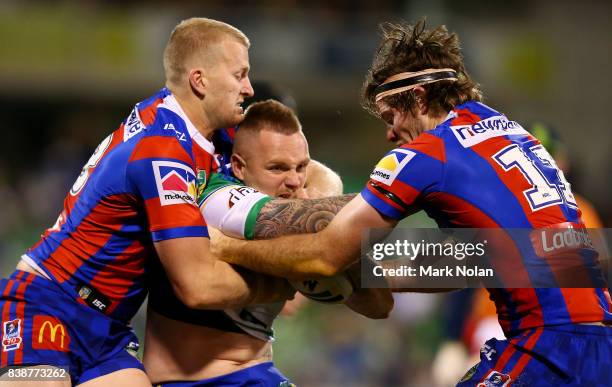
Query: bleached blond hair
[(192, 38)]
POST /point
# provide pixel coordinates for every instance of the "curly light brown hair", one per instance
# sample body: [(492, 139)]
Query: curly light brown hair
[(407, 48)]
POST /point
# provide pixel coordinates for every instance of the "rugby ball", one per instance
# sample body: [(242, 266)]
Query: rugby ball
[(328, 290)]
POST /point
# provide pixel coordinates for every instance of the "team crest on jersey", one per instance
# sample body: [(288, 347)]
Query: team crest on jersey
[(176, 182), (495, 379), (391, 165), (201, 183), (11, 335), (468, 375), (133, 125), (470, 135)]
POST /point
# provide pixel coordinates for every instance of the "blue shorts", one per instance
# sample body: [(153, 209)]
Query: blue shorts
[(261, 375), (564, 355), (41, 324)]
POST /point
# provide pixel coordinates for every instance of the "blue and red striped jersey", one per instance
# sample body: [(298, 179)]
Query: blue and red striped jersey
[(478, 169), (138, 187)]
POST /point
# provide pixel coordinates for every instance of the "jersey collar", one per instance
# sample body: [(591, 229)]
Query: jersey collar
[(172, 104)]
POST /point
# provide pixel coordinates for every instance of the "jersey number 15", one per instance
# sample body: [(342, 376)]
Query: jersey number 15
[(548, 185)]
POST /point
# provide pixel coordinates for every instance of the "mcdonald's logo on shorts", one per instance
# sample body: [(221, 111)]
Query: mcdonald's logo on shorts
[(50, 333)]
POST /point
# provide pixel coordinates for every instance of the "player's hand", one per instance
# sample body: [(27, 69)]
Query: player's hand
[(273, 289), (217, 240), (221, 245), (375, 303), (214, 234)]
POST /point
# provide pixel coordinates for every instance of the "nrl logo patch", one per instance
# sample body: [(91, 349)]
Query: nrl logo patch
[(176, 182), (11, 335), (468, 375), (391, 165), (201, 183)]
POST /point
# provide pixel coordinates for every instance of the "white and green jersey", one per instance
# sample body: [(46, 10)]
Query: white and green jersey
[(230, 206)]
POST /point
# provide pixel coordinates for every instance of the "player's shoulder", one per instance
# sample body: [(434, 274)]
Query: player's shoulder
[(219, 180), (141, 117), (216, 182), (466, 114), (429, 145), (156, 128), (473, 122), (157, 116)]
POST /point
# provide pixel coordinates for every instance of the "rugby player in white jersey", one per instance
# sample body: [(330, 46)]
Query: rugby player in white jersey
[(186, 347)]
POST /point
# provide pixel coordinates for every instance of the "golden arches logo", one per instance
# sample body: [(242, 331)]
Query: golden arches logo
[(53, 328)]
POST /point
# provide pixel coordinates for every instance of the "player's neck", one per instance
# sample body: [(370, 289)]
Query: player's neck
[(427, 122), (193, 110), (432, 121)]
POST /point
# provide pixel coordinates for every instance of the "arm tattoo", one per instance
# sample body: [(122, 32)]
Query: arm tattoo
[(294, 216)]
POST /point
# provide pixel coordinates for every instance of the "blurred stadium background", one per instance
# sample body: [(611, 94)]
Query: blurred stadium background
[(71, 71)]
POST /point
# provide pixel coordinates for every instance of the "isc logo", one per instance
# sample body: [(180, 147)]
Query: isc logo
[(99, 304)]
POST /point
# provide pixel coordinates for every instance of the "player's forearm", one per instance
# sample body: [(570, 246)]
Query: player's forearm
[(325, 253), (374, 303), (224, 286), (199, 281), (307, 258), (202, 282), (284, 217), (217, 286)]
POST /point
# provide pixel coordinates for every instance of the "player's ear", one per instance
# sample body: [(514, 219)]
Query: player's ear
[(421, 98), (198, 82), (238, 165)]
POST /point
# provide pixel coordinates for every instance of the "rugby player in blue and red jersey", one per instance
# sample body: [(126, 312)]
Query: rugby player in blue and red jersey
[(70, 301), (466, 165)]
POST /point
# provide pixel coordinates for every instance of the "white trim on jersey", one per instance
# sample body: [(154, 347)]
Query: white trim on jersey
[(172, 104), (228, 208)]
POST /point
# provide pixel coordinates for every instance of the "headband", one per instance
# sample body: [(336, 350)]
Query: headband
[(409, 80)]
